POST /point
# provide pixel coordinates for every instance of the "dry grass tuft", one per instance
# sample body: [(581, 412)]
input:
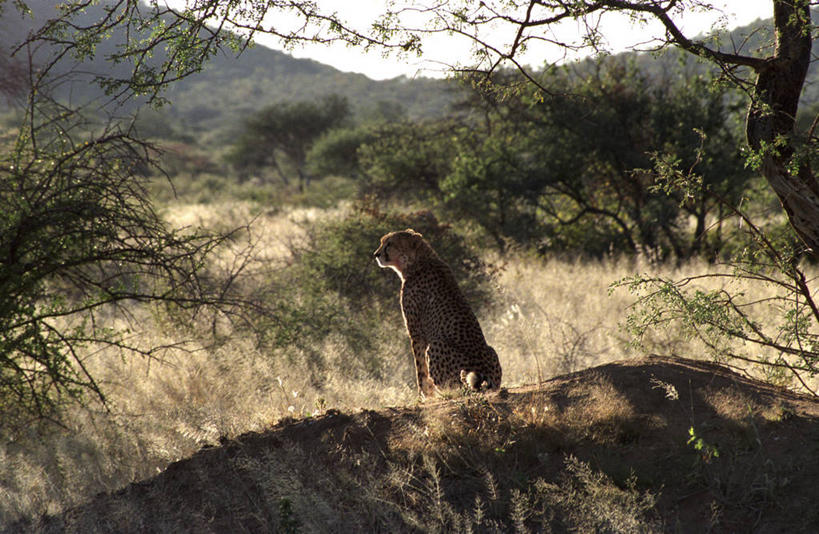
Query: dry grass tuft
[(558, 317)]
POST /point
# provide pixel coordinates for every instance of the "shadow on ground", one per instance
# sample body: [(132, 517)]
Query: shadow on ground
[(651, 445)]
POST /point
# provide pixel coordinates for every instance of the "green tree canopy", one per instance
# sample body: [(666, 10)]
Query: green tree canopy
[(574, 171), (286, 131)]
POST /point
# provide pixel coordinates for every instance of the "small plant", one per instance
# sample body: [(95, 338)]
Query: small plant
[(590, 501), (668, 389), (707, 451), (288, 522)]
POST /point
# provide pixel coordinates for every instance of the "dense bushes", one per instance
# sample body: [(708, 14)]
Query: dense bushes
[(569, 168)]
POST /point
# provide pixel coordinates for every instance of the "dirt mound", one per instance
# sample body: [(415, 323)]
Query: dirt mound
[(651, 445)]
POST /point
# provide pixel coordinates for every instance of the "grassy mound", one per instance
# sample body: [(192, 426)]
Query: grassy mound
[(650, 445)]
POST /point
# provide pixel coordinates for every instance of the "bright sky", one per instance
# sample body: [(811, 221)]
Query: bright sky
[(444, 50)]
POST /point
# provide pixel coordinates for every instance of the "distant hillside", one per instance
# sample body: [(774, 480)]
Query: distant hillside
[(640, 446), (232, 87)]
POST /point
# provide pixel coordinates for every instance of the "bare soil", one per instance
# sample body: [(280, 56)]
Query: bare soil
[(651, 445)]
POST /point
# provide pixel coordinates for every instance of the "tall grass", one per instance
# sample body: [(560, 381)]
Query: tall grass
[(561, 316), (553, 317)]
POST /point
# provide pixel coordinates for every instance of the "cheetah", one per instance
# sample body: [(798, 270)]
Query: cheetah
[(447, 342)]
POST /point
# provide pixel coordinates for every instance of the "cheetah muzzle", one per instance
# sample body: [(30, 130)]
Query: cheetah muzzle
[(447, 342)]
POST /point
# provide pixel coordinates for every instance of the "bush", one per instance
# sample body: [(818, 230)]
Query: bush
[(336, 152)]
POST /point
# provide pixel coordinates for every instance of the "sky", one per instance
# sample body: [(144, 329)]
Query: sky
[(445, 51)]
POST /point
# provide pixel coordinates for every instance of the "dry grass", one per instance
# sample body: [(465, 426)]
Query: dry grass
[(556, 317), (549, 325), (559, 317)]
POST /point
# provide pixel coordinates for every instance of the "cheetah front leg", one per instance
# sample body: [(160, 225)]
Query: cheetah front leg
[(418, 341), (424, 381)]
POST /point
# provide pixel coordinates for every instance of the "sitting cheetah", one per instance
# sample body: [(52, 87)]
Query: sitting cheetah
[(447, 341)]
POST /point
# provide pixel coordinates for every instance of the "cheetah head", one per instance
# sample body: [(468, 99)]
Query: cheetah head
[(399, 250)]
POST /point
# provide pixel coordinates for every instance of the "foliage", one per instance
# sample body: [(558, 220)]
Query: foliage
[(592, 502), (79, 244), (286, 131), (735, 326), (572, 169), (153, 124), (84, 258), (336, 152), (408, 160), (287, 522), (145, 47), (707, 451)]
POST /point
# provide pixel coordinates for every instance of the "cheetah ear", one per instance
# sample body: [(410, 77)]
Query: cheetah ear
[(413, 232)]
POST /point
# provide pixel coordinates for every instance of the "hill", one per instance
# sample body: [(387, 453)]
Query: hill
[(652, 445), (231, 87)]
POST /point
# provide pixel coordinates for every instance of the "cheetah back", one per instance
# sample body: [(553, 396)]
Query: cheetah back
[(456, 341)]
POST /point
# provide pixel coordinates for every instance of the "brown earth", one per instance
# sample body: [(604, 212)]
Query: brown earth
[(652, 445)]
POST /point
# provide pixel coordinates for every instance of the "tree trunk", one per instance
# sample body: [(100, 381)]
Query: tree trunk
[(772, 115)]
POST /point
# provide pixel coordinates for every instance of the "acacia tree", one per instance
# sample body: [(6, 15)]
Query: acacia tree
[(574, 171), (83, 254), (287, 129), (81, 245)]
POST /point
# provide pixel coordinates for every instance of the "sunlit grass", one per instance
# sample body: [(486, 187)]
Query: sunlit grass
[(560, 316)]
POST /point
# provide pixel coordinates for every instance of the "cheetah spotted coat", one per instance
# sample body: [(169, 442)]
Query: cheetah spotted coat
[(447, 342)]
